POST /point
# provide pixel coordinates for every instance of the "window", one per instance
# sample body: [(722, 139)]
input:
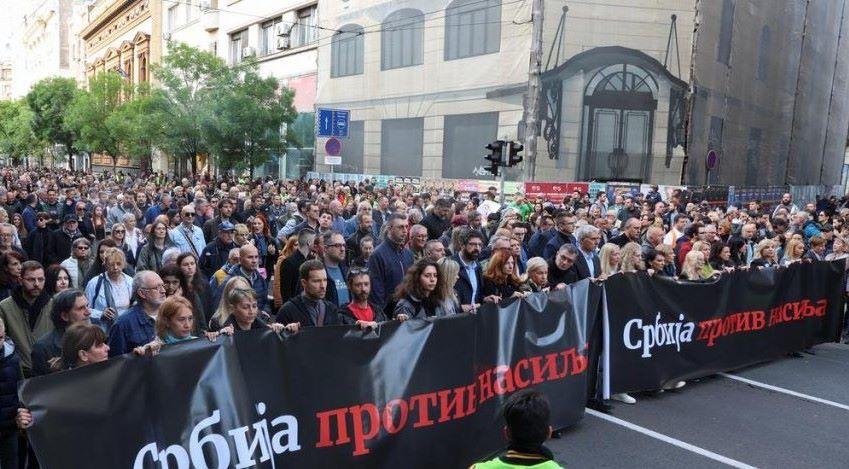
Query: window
[(172, 17), (401, 146), (268, 37), (346, 51), (463, 144), (305, 31), (763, 53), (352, 150), (401, 39), (238, 41), (753, 156), (472, 27), (726, 29)]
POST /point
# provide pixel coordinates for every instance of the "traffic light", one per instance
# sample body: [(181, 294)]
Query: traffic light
[(513, 153), (496, 150)]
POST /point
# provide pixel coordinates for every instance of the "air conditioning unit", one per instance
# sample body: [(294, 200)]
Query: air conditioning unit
[(205, 5), (282, 29), (248, 52)]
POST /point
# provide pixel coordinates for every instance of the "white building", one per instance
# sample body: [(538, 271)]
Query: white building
[(282, 35), (44, 47)]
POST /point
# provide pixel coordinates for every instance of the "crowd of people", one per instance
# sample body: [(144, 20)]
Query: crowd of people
[(94, 266)]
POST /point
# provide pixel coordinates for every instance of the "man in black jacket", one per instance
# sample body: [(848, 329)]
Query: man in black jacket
[(310, 309), (62, 239), (630, 233), (469, 281), (439, 220), (225, 213), (561, 268), (289, 285), (364, 228), (588, 264), (216, 253)]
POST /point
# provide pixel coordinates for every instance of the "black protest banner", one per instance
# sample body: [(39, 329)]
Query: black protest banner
[(659, 330), (413, 394)]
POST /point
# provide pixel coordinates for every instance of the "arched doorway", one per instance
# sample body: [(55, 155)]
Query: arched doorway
[(619, 105)]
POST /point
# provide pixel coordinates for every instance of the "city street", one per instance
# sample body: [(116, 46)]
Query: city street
[(789, 413)]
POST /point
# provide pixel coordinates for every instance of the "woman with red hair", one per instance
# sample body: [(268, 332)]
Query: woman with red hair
[(500, 278)]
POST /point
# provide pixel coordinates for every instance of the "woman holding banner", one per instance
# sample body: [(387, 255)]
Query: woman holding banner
[(765, 255), (536, 277), (500, 278), (611, 259), (693, 267)]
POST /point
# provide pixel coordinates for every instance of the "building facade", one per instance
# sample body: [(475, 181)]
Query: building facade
[(43, 48), (281, 35), (636, 91), (6, 76)]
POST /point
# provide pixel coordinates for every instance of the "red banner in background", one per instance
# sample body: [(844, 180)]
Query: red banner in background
[(554, 191)]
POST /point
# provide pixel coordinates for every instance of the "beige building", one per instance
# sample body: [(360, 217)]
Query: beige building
[(43, 44), (283, 37)]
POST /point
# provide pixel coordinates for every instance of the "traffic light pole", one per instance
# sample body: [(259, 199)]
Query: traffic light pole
[(505, 152)]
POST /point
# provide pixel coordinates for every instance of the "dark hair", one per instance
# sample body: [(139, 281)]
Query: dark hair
[(29, 266), (527, 415), (650, 254), (411, 285), (80, 336), (471, 234), (715, 250), (64, 302), (190, 285), (309, 266), (52, 276), (5, 279)]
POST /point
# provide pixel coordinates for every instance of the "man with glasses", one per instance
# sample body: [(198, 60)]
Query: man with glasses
[(137, 326), (7, 240), (337, 271), (187, 236), (418, 239), (79, 262), (564, 226), (37, 241)]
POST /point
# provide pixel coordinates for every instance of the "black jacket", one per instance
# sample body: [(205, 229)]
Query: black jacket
[(295, 310), (36, 245), (435, 226), (463, 287), (47, 347), (10, 376), (584, 269), (332, 294), (60, 246), (620, 240), (289, 277), (214, 255), (557, 276)]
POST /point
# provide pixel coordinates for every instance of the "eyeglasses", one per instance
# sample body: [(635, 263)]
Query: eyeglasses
[(189, 214), (161, 286), (357, 271), (337, 245), (119, 231)]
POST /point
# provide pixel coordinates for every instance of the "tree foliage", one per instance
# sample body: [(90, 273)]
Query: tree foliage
[(49, 100), (89, 114), (244, 127), (137, 124), (17, 140)]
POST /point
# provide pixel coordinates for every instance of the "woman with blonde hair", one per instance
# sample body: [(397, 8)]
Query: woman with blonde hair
[(222, 313), (449, 270), (632, 258), (239, 311), (692, 269), (793, 252), (610, 257), (765, 255), (704, 248), (536, 275)]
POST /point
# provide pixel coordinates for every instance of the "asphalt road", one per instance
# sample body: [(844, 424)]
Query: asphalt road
[(791, 413)]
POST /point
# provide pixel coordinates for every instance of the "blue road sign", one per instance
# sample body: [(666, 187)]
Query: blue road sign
[(332, 122)]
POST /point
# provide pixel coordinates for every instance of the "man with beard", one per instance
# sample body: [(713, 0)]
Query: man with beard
[(52, 206), (364, 228), (225, 214), (439, 220), (390, 262), (25, 313), (288, 271), (337, 271), (136, 327), (359, 311), (470, 278), (125, 205), (310, 309)]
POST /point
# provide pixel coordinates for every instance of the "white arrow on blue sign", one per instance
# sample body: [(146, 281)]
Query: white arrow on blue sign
[(332, 122)]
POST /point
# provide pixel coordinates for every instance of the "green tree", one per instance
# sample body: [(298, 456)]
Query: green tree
[(17, 139), (49, 100), (188, 77), (244, 128), (88, 115), (137, 125)]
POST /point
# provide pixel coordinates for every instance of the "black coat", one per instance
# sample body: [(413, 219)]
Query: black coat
[(295, 310), (10, 376), (620, 240), (584, 269), (47, 347), (289, 276), (60, 246), (435, 226), (214, 256), (557, 276), (332, 294), (36, 245), (463, 287)]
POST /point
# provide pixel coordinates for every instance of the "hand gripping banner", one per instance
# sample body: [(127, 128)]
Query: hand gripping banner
[(659, 330), (412, 394)]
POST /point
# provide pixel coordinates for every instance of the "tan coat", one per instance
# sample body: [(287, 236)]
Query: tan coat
[(17, 328)]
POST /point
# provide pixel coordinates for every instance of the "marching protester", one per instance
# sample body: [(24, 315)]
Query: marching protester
[(26, 314), (418, 296), (360, 311), (151, 252), (196, 289), (68, 307), (500, 278), (311, 308), (536, 276), (57, 280), (110, 292), (389, 262), (288, 268), (79, 262), (135, 327)]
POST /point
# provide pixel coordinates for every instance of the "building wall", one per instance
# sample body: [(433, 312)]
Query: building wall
[(44, 43)]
